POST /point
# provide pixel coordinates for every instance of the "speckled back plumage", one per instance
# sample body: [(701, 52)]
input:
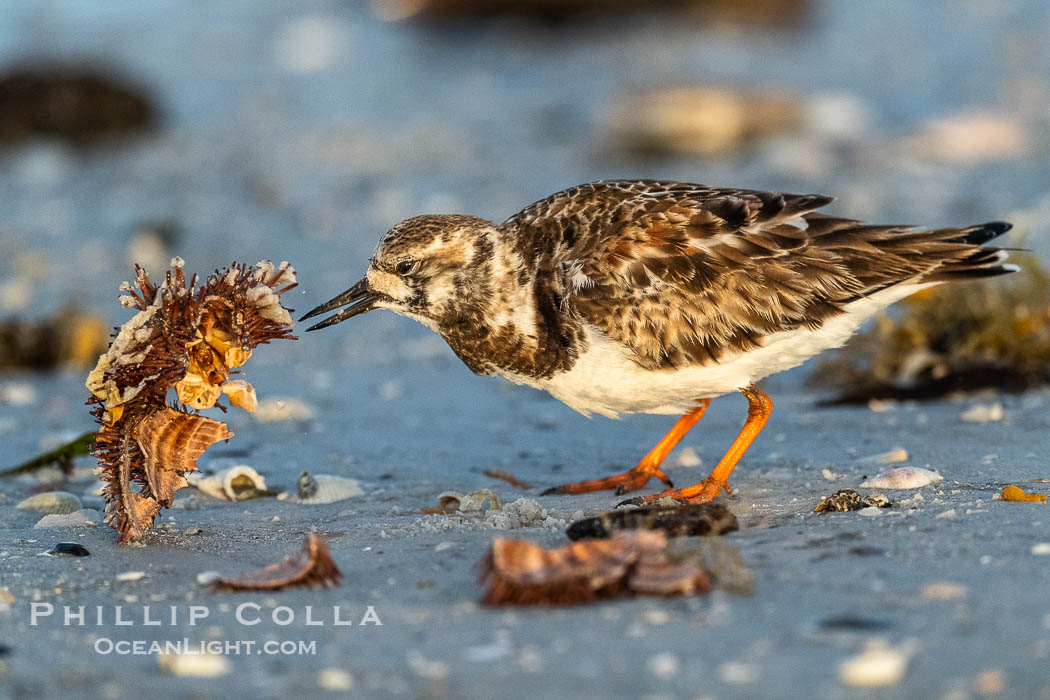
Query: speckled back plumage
[(684, 275)]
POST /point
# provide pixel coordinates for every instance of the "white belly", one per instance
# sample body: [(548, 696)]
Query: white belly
[(605, 380)]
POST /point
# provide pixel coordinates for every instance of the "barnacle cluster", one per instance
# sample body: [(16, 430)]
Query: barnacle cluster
[(189, 337)]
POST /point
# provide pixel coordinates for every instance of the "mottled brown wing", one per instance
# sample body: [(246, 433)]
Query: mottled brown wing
[(684, 274)]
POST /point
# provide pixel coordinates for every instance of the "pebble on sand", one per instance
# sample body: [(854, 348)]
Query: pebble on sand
[(194, 665), (878, 666), (335, 679), (983, 413), (688, 457), (903, 478)]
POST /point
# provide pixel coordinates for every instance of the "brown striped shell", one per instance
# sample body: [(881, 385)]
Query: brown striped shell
[(171, 442)]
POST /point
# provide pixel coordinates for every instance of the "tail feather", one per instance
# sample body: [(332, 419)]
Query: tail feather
[(982, 262)]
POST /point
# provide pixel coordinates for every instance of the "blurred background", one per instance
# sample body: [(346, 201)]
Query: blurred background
[(133, 131)]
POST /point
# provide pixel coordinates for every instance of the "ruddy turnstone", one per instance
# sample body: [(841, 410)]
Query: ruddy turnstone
[(654, 297)]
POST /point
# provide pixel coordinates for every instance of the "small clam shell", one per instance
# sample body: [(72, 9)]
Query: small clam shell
[(237, 483), (453, 501), (86, 517), (57, 502), (325, 488)]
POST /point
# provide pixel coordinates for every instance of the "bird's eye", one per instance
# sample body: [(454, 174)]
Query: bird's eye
[(405, 266)]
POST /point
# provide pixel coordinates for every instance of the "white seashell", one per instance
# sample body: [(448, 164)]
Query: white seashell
[(325, 488), (194, 665), (903, 478), (57, 502), (206, 578), (879, 665), (80, 518), (335, 679), (983, 413), (237, 483), (130, 575)]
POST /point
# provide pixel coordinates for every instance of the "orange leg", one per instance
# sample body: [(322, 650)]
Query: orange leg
[(647, 468), (759, 408)]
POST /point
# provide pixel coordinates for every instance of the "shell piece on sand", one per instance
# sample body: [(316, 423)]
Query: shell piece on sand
[(312, 567), (237, 483), (57, 502), (315, 489), (79, 518), (516, 572), (878, 666), (194, 665), (66, 549), (903, 478), (453, 501)]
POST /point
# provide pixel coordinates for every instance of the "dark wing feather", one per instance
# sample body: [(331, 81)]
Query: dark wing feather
[(684, 274)]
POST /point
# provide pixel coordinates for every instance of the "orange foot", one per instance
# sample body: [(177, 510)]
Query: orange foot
[(631, 480), (646, 469), (703, 492)]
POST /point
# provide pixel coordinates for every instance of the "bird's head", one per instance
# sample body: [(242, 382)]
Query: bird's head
[(423, 267)]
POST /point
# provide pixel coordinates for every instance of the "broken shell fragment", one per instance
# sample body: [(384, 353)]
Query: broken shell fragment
[(674, 521), (516, 572), (56, 502), (325, 488), (237, 483), (1015, 493), (452, 502), (903, 478), (241, 395), (312, 567), (845, 500)]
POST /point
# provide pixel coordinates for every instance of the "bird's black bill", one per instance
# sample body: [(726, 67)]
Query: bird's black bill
[(358, 299)]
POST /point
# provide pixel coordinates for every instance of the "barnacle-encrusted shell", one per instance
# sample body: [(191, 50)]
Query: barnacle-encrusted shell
[(186, 336), (325, 488), (237, 483), (57, 502)]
